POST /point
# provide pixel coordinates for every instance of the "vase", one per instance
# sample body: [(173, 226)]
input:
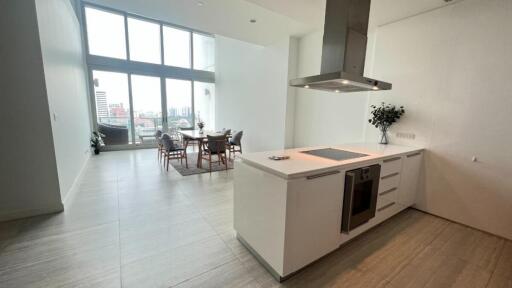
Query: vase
[(96, 151), (201, 130), (384, 135)]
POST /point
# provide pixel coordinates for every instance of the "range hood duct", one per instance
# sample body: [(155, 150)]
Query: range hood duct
[(343, 50)]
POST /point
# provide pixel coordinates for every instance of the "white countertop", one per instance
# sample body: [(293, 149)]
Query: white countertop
[(301, 164)]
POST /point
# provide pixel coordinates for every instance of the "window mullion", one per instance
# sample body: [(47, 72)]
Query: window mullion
[(191, 51), (162, 56), (127, 41), (193, 106), (132, 114)]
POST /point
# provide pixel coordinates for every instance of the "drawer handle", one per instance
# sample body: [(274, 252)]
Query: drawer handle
[(389, 176), (415, 154), (322, 175), (387, 191), (392, 159), (385, 207)]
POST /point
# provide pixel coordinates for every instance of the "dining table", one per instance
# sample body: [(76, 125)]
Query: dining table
[(200, 137)]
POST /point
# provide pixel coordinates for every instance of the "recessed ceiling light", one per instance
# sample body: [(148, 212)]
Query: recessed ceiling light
[(252, 20), (200, 3), (337, 91), (306, 86), (375, 88), (344, 82)]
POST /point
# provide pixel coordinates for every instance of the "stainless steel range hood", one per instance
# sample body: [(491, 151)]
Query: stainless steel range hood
[(343, 50)]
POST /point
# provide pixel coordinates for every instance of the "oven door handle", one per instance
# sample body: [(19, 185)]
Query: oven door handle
[(347, 211)]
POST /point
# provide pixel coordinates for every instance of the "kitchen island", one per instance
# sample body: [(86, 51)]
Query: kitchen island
[(289, 213)]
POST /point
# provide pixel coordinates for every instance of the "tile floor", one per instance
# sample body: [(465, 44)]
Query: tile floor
[(131, 224)]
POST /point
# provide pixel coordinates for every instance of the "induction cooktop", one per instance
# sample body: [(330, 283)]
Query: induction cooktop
[(334, 154)]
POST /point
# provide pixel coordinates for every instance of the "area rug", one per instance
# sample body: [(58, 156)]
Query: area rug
[(192, 165)]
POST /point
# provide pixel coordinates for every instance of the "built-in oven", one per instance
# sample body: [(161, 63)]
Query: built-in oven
[(360, 197)]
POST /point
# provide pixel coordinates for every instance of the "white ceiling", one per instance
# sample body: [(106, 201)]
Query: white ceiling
[(275, 18), (309, 12), (224, 17), (386, 11)]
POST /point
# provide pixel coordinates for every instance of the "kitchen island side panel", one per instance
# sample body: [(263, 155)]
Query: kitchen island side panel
[(260, 212)]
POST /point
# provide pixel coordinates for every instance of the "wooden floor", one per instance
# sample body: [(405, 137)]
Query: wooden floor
[(132, 224)]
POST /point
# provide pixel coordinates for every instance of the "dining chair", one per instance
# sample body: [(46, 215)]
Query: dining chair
[(235, 144), (226, 132), (158, 138), (175, 135), (215, 145), (172, 150), (186, 141)]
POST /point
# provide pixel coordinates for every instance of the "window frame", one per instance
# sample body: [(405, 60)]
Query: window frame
[(128, 66)]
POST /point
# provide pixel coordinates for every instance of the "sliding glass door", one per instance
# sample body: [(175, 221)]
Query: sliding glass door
[(204, 103), (112, 101), (147, 107), (179, 104)]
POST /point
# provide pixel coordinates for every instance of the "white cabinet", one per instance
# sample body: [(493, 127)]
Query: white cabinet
[(288, 223), (313, 218), (409, 179)]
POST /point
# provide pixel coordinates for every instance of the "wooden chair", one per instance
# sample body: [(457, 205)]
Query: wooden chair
[(171, 150), (215, 145), (235, 144), (186, 142), (158, 138)]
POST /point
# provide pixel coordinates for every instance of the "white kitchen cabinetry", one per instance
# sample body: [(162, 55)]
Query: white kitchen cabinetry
[(288, 213), (289, 223), (410, 178), (313, 218)]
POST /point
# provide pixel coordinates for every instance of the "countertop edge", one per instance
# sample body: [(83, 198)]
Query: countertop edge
[(345, 166)]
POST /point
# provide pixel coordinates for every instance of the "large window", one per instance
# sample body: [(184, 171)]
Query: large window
[(204, 52), (106, 33), (179, 103), (144, 41), (204, 103), (176, 47), (147, 106), (111, 94), (147, 75)]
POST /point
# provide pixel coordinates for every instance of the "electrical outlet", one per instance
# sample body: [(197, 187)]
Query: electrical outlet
[(406, 135)]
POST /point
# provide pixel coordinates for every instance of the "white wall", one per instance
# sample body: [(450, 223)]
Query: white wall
[(324, 118), (252, 91), (28, 179), (450, 69), (66, 85), (293, 66)]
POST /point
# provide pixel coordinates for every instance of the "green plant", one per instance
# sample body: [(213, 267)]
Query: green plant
[(385, 115), (96, 141)]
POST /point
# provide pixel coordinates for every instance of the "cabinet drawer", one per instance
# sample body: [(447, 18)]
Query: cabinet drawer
[(389, 181), (387, 196), (387, 211), (390, 166)]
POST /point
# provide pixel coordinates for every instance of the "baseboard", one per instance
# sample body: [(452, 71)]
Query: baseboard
[(74, 188), (59, 207)]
